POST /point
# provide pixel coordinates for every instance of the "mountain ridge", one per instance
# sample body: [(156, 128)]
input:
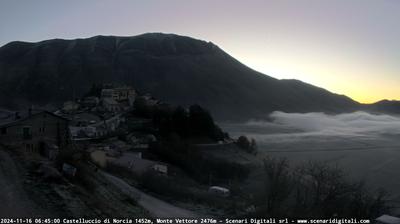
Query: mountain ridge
[(177, 69)]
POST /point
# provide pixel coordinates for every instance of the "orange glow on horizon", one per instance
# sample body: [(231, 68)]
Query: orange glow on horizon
[(362, 91), (333, 73)]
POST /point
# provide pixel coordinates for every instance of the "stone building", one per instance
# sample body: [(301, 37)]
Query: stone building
[(33, 130), (124, 93), (119, 94), (111, 105), (109, 93)]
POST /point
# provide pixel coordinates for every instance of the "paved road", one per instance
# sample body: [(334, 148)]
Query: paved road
[(155, 206), (14, 201)]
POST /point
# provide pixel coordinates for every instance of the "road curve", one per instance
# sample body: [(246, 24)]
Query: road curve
[(156, 207)]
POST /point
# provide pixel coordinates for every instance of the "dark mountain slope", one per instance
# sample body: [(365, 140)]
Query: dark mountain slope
[(177, 69), (386, 106)]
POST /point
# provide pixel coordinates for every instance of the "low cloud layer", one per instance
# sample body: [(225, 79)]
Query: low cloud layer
[(357, 123), (342, 124)]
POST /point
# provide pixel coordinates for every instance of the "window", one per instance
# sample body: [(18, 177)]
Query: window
[(3, 131), (42, 129), (26, 132)]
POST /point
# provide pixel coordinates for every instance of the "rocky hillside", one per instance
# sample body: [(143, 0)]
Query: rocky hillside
[(177, 69)]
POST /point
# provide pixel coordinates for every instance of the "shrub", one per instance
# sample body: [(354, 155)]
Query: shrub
[(200, 167), (244, 143), (198, 122), (316, 189)]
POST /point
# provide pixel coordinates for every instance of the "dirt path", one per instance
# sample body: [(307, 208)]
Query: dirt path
[(14, 201), (155, 206)]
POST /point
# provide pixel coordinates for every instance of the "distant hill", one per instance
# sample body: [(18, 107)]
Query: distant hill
[(385, 106), (177, 69)]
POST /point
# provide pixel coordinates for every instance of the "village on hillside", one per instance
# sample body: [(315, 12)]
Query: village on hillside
[(117, 153), (117, 140)]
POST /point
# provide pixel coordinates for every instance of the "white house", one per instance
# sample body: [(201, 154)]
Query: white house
[(124, 93), (119, 93), (93, 126)]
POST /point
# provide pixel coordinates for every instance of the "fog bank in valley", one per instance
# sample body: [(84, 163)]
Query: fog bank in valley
[(365, 145), (357, 123)]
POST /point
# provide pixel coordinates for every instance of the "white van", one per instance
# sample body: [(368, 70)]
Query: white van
[(220, 191)]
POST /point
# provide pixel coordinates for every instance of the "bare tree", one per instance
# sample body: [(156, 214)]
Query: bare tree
[(278, 183), (321, 188), (317, 189), (366, 204)]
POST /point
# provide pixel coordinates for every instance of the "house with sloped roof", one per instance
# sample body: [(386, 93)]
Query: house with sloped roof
[(111, 105), (31, 130)]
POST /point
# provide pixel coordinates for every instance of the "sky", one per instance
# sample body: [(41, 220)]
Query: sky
[(348, 47)]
